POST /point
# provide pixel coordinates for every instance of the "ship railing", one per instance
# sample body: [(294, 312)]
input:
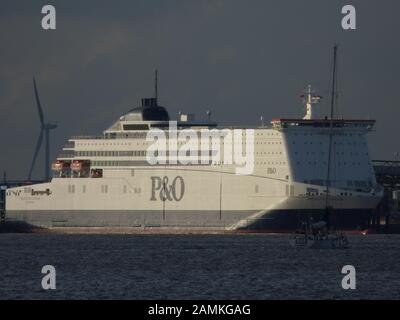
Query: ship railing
[(265, 126)]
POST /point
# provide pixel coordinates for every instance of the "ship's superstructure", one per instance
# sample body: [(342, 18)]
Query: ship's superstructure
[(107, 180)]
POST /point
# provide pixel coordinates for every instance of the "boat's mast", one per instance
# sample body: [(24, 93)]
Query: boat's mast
[(333, 96), (156, 85)]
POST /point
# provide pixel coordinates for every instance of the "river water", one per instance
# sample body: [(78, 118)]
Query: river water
[(195, 267)]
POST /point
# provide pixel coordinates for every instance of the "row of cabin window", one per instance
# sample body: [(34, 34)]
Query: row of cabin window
[(143, 135), (269, 142), (322, 194), (114, 163), (312, 153), (269, 152), (103, 189), (350, 183), (132, 163), (311, 134), (271, 162), (267, 134), (138, 153), (351, 144), (143, 153), (340, 163), (144, 143)]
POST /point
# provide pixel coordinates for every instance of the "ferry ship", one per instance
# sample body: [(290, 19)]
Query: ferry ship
[(106, 181)]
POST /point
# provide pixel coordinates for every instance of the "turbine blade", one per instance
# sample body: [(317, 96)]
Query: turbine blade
[(39, 106), (38, 145)]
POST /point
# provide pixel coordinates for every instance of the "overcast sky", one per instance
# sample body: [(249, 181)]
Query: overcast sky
[(240, 59)]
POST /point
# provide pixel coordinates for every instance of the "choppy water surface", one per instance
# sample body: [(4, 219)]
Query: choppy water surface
[(195, 267)]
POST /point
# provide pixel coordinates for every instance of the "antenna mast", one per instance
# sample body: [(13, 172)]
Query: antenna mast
[(333, 93), (333, 96), (156, 85)]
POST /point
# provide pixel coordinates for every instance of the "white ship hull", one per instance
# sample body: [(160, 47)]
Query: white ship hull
[(210, 200), (107, 181)]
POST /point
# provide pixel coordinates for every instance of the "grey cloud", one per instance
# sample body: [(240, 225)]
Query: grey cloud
[(242, 59)]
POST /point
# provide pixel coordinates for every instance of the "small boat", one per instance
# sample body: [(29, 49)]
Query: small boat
[(317, 236)]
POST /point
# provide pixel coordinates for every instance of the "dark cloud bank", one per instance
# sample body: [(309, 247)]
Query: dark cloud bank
[(241, 59)]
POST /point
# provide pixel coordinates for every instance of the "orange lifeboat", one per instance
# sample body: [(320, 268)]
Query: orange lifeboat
[(79, 165), (60, 165)]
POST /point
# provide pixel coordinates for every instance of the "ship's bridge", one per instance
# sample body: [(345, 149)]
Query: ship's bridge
[(313, 118)]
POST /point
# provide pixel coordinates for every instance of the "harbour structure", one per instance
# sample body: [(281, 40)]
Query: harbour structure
[(387, 174)]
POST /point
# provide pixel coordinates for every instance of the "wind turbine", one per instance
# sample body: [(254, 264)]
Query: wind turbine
[(44, 129)]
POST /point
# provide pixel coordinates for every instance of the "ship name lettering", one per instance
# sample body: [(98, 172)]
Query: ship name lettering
[(40, 192)]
